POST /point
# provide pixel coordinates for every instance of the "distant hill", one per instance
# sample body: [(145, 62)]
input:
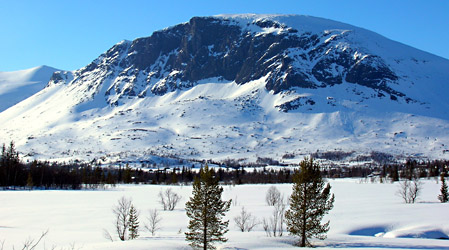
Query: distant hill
[(19, 85)]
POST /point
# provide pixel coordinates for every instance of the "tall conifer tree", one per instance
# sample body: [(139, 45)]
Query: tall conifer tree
[(206, 210), (444, 196), (310, 201)]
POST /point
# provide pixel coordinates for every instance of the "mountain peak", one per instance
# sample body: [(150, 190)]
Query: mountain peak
[(246, 86), (288, 51), (275, 45)]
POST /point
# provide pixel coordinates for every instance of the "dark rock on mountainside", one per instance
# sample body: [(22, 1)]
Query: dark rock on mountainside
[(208, 47)]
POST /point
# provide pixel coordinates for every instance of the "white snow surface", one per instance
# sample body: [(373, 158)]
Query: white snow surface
[(18, 85), (365, 216), (218, 120)]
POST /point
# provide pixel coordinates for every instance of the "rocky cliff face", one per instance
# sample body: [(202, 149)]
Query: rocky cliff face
[(216, 47)]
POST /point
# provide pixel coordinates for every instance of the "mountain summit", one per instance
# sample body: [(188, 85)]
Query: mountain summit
[(241, 86)]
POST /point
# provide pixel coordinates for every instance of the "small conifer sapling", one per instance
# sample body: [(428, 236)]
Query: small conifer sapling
[(444, 192)]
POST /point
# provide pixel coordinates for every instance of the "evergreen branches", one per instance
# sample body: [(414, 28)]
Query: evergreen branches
[(206, 211)]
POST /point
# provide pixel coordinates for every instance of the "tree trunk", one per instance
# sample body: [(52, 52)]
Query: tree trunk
[(205, 238), (205, 223), (304, 217)]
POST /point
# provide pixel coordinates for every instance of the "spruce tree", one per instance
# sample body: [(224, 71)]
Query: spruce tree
[(444, 196), (133, 223), (206, 210), (310, 201), (30, 182)]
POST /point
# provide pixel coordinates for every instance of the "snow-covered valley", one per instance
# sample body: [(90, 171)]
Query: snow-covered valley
[(250, 92), (365, 216)]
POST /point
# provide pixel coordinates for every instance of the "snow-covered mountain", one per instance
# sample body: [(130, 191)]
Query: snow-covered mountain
[(241, 87), (19, 85)]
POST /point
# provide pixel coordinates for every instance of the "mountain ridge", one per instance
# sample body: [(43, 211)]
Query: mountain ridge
[(175, 75), (278, 81), (18, 85)]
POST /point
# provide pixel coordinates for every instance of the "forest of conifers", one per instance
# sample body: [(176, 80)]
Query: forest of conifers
[(15, 174)]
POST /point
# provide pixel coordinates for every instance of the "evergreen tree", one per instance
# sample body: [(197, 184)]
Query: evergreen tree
[(444, 196), (133, 223), (310, 201), (206, 210), (11, 167), (30, 182), (395, 174), (127, 176)]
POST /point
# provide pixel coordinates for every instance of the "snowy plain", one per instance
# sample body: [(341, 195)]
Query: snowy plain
[(365, 216)]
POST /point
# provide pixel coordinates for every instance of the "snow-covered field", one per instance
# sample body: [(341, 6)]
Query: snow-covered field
[(365, 216)]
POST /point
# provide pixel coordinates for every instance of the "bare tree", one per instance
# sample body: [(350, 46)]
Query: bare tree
[(154, 221), (31, 244), (274, 226), (107, 235), (409, 190), (278, 217), (245, 221), (234, 201), (169, 199), (266, 227), (273, 196), (122, 214)]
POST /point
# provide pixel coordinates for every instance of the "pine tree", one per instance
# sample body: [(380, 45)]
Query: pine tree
[(133, 223), (206, 210), (444, 196), (309, 202), (395, 174), (30, 182), (127, 176)]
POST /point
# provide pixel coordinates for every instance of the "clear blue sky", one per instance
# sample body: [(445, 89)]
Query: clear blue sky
[(68, 34)]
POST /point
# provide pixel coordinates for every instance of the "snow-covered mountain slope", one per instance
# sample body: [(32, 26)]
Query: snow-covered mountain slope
[(241, 86), (19, 85)]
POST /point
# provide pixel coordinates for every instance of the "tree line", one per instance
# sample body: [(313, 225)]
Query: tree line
[(408, 170), (14, 173)]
